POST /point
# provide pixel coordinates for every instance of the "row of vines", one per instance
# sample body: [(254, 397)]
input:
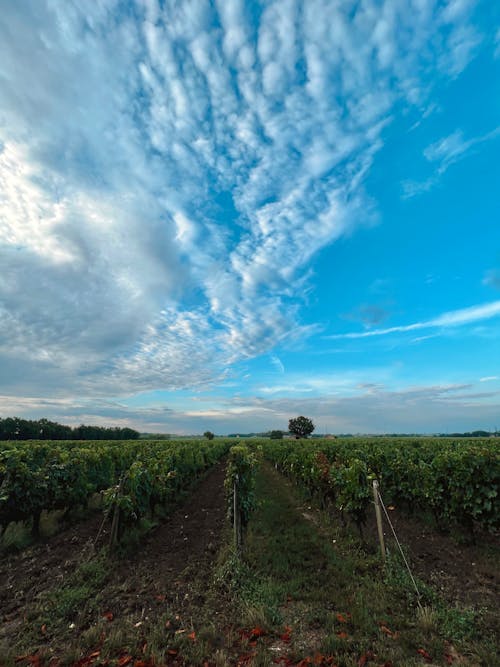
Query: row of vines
[(239, 486), (136, 476), (457, 481)]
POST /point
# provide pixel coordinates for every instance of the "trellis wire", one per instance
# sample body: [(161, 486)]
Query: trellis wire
[(401, 550)]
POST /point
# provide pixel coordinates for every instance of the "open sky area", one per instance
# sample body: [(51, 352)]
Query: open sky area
[(217, 215)]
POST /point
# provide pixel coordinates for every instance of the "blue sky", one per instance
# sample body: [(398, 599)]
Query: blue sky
[(219, 215)]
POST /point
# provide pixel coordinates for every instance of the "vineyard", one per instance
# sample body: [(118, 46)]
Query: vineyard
[(246, 553), (458, 481), (137, 478)]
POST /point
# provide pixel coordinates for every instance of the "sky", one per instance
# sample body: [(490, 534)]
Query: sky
[(221, 215)]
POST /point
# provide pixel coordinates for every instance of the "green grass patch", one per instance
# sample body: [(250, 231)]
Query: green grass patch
[(302, 570)]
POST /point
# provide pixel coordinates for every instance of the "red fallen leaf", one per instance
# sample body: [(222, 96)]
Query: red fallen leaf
[(365, 657), (172, 651), (140, 663), (161, 598), (342, 635), (257, 632), (192, 636), (83, 662), (386, 630), (424, 654), (124, 660), (108, 616), (449, 658), (33, 659), (285, 637), (43, 629), (343, 618)]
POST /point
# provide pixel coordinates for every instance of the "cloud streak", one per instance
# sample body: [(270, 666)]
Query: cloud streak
[(453, 318), (443, 153)]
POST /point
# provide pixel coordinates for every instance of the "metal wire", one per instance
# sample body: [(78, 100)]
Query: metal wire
[(400, 549)]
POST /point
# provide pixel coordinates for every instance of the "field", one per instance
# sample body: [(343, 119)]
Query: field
[(123, 553)]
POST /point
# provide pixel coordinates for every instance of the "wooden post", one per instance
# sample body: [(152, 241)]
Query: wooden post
[(236, 516), (378, 514), (113, 537)]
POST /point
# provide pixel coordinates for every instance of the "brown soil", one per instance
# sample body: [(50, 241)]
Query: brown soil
[(148, 584), (466, 574), (25, 575), (189, 539)]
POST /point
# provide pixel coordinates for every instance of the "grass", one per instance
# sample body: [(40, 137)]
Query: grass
[(302, 571)]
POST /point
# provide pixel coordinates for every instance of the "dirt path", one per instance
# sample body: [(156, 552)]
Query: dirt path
[(130, 606), (190, 538)]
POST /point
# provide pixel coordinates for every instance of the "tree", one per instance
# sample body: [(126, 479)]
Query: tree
[(209, 435), (276, 435), (301, 427)]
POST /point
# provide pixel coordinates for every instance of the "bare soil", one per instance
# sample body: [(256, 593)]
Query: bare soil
[(27, 574), (464, 574), (141, 588), (190, 538)]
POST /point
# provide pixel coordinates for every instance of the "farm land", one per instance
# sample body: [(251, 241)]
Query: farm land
[(123, 553)]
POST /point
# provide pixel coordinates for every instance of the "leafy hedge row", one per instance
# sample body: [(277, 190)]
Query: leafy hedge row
[(159, 473), (459, 481), (37, 476), (240, 476)]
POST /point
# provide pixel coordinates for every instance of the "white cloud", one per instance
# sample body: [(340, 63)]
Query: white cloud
[(452, 318), (444, 153), (168, 172), (370, 409), (277, 363)]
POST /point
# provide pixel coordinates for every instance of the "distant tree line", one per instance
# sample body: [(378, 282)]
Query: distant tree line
[(470, 434), (14, 428)]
